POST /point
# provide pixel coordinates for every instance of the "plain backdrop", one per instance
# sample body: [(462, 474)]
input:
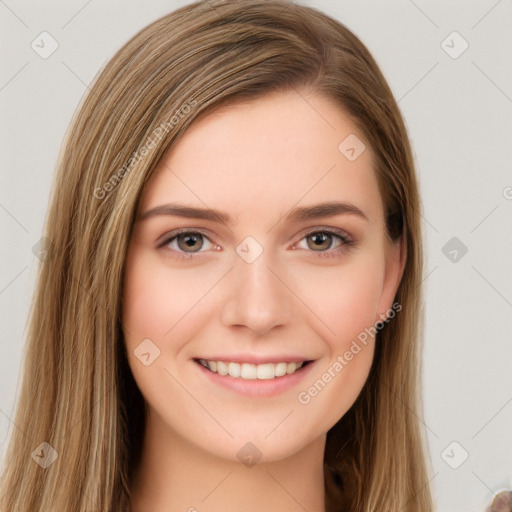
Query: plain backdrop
[(449, 66)]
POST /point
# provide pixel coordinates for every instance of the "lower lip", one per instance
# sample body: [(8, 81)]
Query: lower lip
[(257, 387)]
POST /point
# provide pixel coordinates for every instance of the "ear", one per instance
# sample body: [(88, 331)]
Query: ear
[(396, 256)]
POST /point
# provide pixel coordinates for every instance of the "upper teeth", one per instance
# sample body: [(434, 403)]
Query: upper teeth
[(251, 371)]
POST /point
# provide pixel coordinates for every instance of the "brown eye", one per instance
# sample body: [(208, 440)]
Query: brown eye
[(326, 242), (189, 242), (320, 241), (186, 242)]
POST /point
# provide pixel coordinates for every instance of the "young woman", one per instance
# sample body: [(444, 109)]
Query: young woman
[(229, 316)]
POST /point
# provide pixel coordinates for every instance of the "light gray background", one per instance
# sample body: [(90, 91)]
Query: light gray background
[(459, 114)]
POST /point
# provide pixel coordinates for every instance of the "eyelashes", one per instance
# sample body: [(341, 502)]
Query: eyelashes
[(177, 240)]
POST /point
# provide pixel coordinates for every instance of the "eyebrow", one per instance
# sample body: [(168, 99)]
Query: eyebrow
[(299, 214)]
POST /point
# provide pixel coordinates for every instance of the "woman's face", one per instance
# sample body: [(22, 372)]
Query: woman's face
[(282, 259)]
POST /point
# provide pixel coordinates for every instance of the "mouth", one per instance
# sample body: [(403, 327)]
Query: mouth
[(250, 371)]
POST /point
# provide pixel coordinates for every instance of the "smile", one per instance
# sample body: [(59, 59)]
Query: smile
[(248, 371)]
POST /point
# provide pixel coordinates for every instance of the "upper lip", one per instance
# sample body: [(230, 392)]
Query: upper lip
[(241, 358)]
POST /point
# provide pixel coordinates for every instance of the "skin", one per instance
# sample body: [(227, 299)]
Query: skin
[(255, 161)]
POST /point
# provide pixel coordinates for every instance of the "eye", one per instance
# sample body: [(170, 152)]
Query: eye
[(326, 242), (187, 242)]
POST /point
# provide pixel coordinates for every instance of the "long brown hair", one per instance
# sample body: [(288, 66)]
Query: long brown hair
[(78, 394)]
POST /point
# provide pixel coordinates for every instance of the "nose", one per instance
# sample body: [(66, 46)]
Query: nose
[(257, 298)]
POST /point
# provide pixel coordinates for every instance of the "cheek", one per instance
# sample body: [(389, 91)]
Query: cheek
[(167, 306), (345, 297), (144, 304), (157, 298), (158, 305)]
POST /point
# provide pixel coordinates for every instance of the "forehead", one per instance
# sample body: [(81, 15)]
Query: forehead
[(266, 156)]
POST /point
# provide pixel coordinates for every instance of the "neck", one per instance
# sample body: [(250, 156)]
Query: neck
[(177, 476)]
